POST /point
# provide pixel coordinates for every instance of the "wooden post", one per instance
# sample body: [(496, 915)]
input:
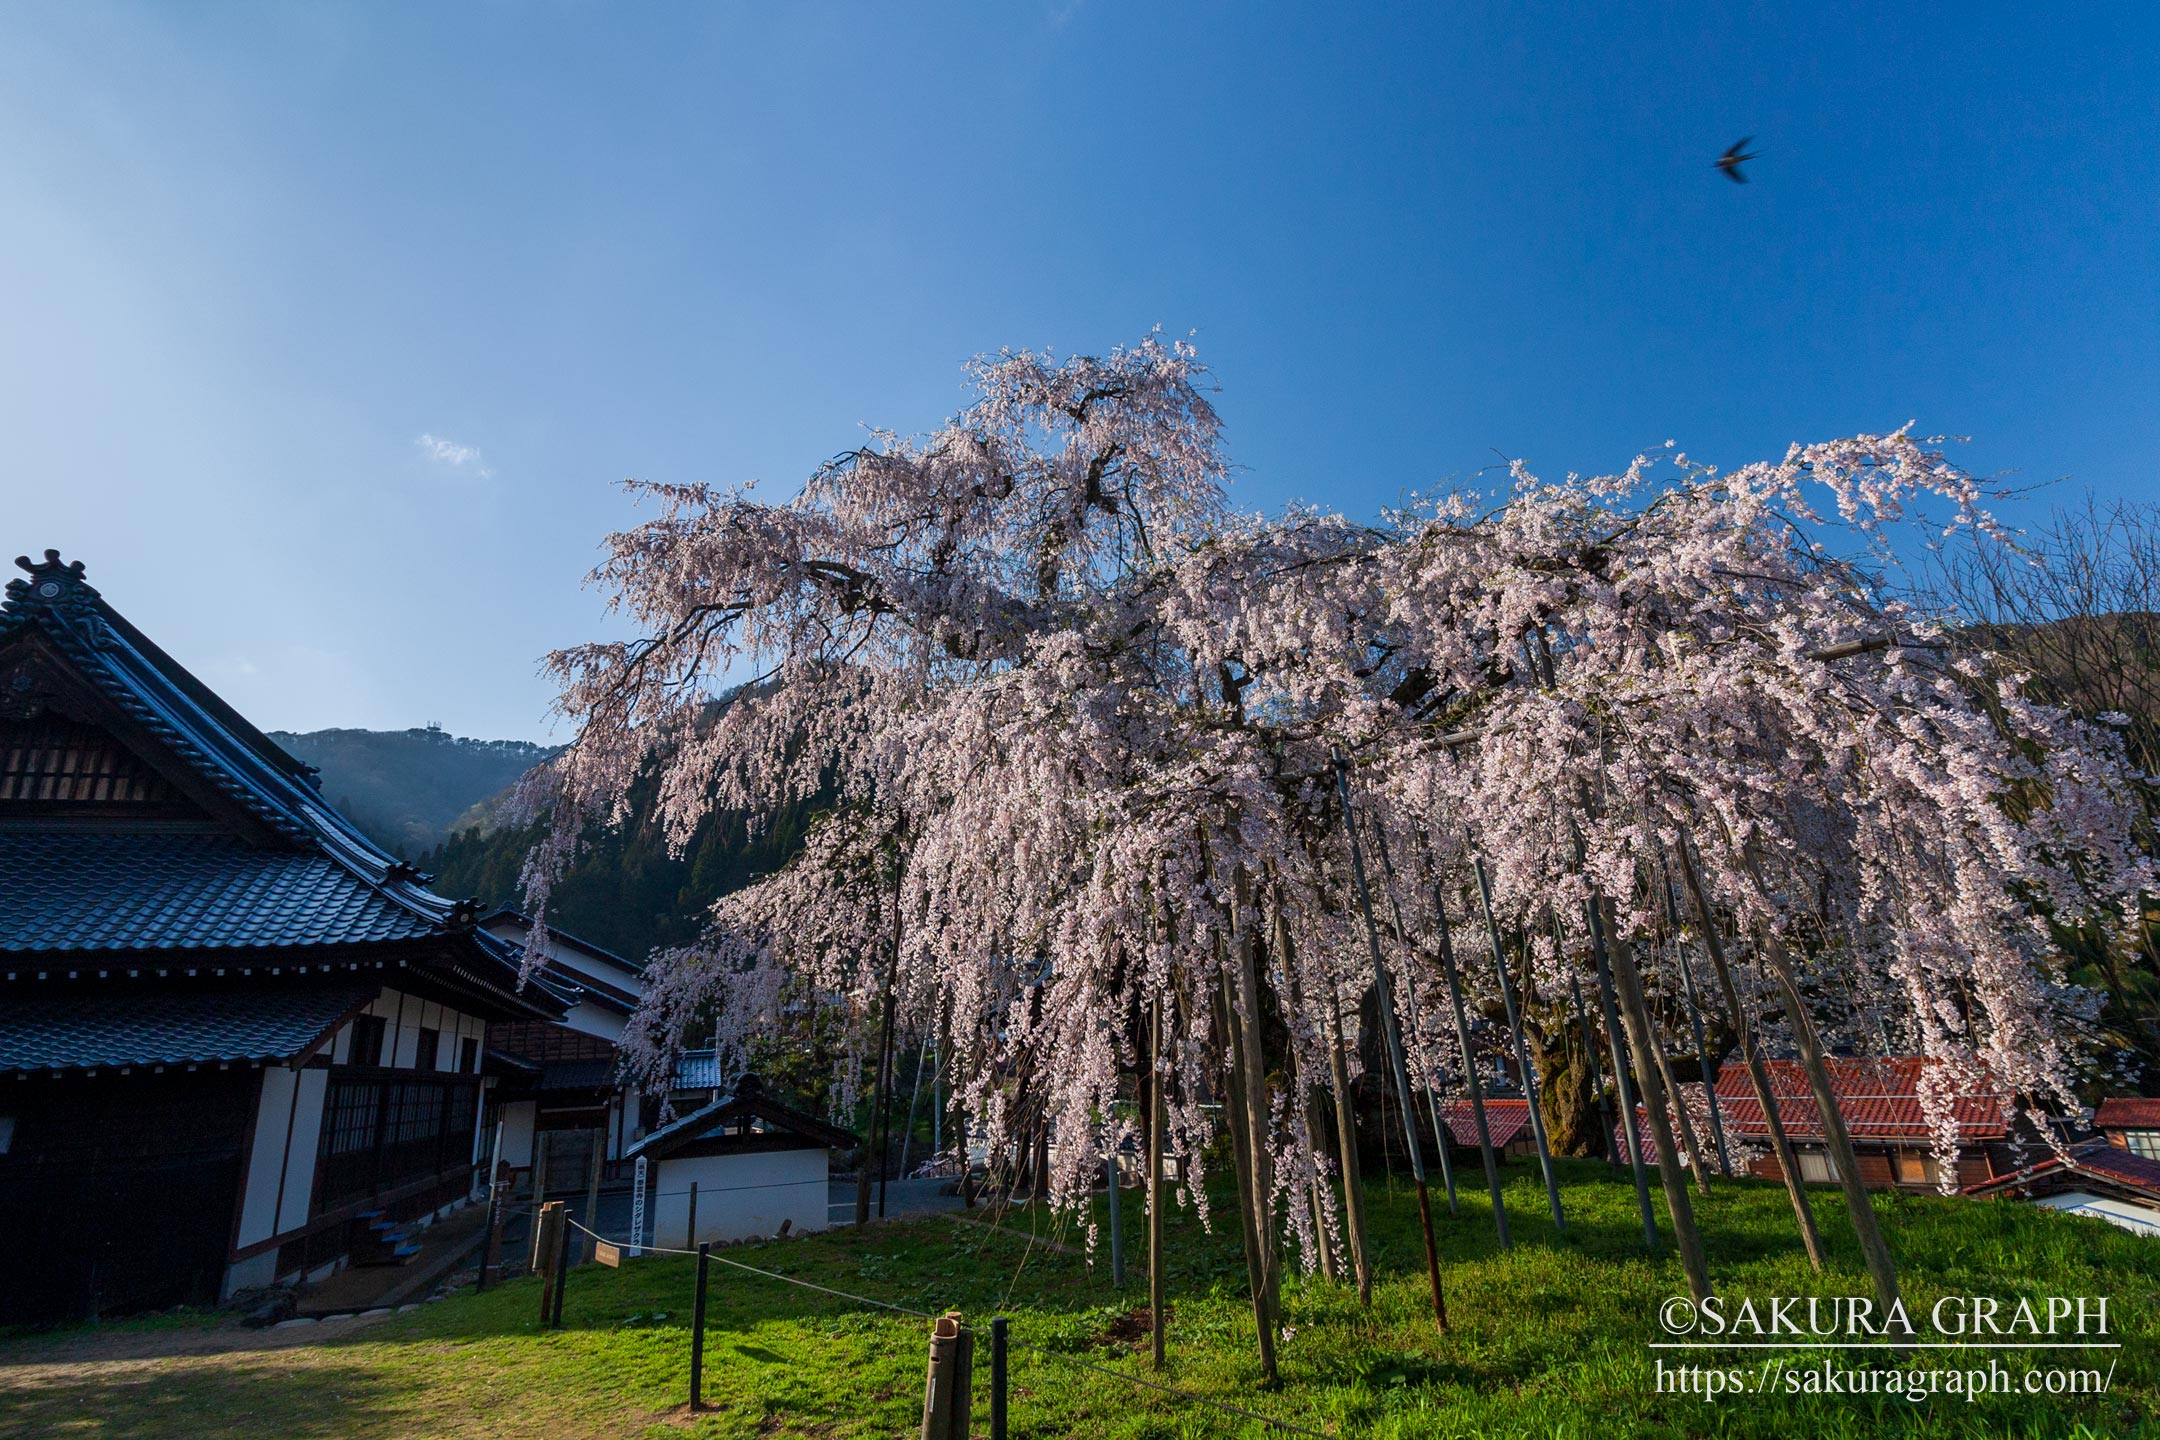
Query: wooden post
[(562, 1262), (1470, 1073), (1353, 1178), (1873, 1248), (1249, 1201), (947, 1411), (1635, 1013), (1631, 1141), (592, 1188), (1751, 1056), (1393, 1035), (697, 1330), (1694, 1008), (541, 1144), (1305, 1091), (690, 1226), (1522, 1050), (547, 1256), (498, 1212), (998, 1342), (1117, 1230), (1157, 1118), (1696, 1160)]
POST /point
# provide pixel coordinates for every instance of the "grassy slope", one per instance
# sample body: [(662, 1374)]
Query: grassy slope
[(1549, 1340)]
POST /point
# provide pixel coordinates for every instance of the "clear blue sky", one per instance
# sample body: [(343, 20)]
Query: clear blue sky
[(252, 254)]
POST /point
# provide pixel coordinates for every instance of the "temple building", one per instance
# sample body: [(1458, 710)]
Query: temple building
[(239, 1043)]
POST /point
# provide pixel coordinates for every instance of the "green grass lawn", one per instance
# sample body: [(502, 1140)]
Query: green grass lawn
[(1549, 1340)]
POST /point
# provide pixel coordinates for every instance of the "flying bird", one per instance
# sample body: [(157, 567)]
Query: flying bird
[(1729, 162)]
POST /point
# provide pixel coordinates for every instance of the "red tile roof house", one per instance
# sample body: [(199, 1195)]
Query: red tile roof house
[(2102, 1180), (1507, 1124), (1880, 1100), (2131, 1123)]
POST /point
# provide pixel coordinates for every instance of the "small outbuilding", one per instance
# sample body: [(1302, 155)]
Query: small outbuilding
[(742, 1168)]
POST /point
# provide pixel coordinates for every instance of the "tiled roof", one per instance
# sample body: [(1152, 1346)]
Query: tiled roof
[(751, 1100), (1504, 1120), (66, 891), (2094, 1160), (1880, 1100), (696, 1070), (2127, 1112), (107, 1027), (578, 1074)]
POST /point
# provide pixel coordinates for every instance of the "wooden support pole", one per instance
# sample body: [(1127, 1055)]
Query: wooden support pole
[(1158, 1117), (690, 1224), (592, 1189), (1117, 1228), (1751, 1056), (546, 1256), (1308, 1100), (1635, 1014), (1522, 1050), (1393, 1034), (947, 1411), (1694, 1007), (697, 1330), (1630, 1140), (1471, 1082)]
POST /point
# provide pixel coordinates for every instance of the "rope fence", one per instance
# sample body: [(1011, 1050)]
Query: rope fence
[(999, 1339)]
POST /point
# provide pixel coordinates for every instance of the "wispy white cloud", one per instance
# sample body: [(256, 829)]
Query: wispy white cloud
[(458, 457)]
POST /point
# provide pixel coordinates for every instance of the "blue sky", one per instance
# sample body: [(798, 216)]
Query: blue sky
[(252, 255)]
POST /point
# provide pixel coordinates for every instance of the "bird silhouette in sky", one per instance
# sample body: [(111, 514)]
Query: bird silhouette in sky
[(1729, 162)]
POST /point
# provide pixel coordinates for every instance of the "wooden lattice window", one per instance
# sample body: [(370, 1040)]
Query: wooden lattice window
[(51, 761)]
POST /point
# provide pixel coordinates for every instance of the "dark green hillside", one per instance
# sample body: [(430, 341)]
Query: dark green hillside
[(408, 788), (626, 893)]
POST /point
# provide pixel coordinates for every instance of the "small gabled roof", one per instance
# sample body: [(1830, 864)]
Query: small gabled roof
[(2127, 1112), (1504, 1119), (751, 1101), (2095, 1162)]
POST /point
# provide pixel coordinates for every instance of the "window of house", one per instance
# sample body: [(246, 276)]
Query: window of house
[(429, 1056), (1815, 1168), (1915, 1169), (468, 1056), (367, 1041), (2143, 1142)]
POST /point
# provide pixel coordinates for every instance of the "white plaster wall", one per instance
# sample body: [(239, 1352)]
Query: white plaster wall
[(740, 1197), (273, 1107), (306, 1140), (517, 1122)]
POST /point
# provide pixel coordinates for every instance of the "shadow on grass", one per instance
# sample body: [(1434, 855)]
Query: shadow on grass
[(207, 1402)]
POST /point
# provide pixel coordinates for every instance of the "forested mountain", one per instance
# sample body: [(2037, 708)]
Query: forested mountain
[(626, 892), (409, 788)]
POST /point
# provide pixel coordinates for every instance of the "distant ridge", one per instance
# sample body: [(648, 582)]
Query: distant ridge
[(408, 789)]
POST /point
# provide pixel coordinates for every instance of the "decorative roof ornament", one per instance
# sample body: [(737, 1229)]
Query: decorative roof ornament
[(53, 583)]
